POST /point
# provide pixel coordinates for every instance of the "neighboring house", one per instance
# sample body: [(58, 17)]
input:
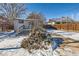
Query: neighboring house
[(21, 24), (59, 20), (32, 21), (4, 24)]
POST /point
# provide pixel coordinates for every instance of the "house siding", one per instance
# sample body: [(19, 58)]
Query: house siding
[(17, 25)]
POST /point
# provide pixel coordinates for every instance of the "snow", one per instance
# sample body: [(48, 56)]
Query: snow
[(6, 34), (16, 42), (10, 42), (73, 35), (23, 52), (68, 50)]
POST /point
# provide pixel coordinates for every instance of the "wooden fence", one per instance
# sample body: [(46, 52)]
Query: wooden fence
[(67, 26), (6, 27)]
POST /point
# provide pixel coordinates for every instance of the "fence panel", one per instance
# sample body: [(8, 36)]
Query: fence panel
[(68, 26)]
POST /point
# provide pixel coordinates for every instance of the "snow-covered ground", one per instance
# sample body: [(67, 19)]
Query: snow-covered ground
[(73, 35), (10, 42), (23, 52), (73, 49), (16, 42)]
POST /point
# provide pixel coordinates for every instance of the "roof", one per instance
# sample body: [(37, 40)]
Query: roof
[(24, 19), (56, 19), (63, 19)]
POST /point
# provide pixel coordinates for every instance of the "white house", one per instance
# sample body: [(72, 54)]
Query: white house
[(20, 24)]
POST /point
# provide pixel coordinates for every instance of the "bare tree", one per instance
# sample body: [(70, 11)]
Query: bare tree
[(37, 36), (12, 10), (37, 19)]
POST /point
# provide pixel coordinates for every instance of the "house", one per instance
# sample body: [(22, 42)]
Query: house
[(21, 24), (59, 20), (4, 24), (32, 21)]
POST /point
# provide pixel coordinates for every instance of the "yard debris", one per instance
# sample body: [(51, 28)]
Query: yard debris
[(35, 41), (56, 42)]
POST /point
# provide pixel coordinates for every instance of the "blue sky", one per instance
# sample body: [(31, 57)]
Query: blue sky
[(54, 10)]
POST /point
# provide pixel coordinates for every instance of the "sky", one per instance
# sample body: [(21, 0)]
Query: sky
[(55, 10)]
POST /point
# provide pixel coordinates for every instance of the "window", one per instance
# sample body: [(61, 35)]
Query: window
[(21, 21)]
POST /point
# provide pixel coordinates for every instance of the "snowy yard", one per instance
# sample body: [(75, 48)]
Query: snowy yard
[(71, 49), (16, 41), (73, 35)]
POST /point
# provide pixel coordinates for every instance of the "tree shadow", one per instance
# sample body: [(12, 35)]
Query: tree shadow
[(50, 27)]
